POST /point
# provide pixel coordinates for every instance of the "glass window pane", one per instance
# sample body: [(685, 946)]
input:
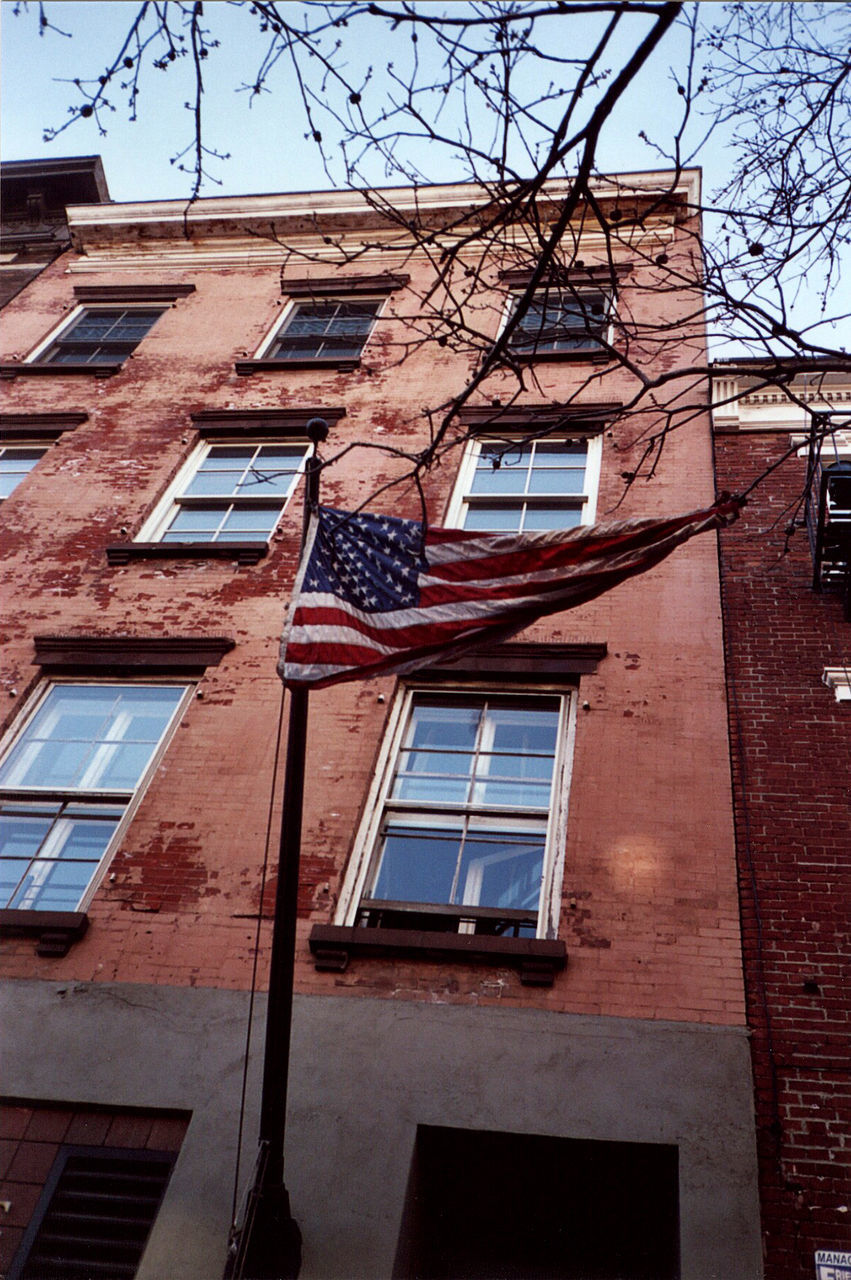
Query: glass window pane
[(20, 836), (526, 795), (228, 457), (499, 519), (501, 873), (192, 519), (556, 480), (221, 483), (552, 517), (12, 872), (53, 886), (258, 521), (417, 866), (62, 745), (526, 728), (505, 479)]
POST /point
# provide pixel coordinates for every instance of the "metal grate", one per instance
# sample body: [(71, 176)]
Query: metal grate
[(97, 1213)]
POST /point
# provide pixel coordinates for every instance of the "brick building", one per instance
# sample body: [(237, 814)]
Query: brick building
[(519, 1031), (789, 656)]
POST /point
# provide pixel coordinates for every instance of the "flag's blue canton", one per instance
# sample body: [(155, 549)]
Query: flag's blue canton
[(371, 562)]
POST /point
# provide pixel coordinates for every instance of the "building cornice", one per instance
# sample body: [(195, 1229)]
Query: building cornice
[(222, 220)]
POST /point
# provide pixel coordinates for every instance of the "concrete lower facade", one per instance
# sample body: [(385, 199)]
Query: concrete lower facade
[(366, 1073)]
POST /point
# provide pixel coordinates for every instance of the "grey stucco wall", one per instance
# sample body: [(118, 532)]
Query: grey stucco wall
[(365, 1074)]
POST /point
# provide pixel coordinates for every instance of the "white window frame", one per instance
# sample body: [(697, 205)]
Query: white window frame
[(67, 321), (586, 501), (576, 353), (7, 446), (160, 518), (281, 321), (367, 839), (131, 799)]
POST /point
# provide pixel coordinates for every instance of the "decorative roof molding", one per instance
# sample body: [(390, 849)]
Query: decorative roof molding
[(222, 218)]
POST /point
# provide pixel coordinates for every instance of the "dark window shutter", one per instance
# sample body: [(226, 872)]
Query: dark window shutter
[(95, 1215)]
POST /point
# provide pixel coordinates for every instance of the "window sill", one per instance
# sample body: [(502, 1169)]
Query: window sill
[(55, 930), (246, 367), (242, 552), (538, 959), (45, 369)]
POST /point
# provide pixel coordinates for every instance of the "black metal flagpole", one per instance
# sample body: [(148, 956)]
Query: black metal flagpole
[(269, 1243)]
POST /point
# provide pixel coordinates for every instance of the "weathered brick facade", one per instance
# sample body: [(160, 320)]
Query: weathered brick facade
[(641, 1039), (790, 742)]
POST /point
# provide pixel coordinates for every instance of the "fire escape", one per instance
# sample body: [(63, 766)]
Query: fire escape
[(827, 513)]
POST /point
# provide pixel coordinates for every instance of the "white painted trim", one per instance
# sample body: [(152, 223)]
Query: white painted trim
[(839, 680)]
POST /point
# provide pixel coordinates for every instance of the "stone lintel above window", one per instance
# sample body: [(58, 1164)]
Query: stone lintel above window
[(538, 959), (537, 419), (566, 277), (131, 293), (529, 662), (130, 655), (342, 285), (260, 423), (39, 426)]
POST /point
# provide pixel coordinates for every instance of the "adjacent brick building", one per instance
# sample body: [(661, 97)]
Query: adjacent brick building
[(577, 1095), (789, 692)]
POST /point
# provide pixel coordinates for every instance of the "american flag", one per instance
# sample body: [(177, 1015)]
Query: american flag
[(375, 594)]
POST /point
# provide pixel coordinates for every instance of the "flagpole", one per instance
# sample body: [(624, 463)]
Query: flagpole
[(269, 1245)]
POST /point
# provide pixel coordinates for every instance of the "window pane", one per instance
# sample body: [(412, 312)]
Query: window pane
[(508, 477), (65, 744), (417, 866), (552, 517), (494, 519), (555, 480), (501, 873), (257, 521), (20, 836), (219, 482), (53, 886), (191, 520)]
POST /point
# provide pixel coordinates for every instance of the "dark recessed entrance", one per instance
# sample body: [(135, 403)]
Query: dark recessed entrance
[(509, 1206)]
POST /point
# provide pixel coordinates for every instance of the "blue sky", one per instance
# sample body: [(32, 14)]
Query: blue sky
[(265, 134)]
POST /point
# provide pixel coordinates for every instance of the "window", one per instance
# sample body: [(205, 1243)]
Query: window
[(228, 493), (100, 335), (333, 329), (16, 462), (559, 323), (527, 485), (463, 833), (67, 782)]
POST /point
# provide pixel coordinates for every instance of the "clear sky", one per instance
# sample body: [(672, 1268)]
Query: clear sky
[(265, 134)]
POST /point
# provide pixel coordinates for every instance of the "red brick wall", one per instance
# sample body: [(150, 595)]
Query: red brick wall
[(30, 1141), (650, 857), (791, 752)]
